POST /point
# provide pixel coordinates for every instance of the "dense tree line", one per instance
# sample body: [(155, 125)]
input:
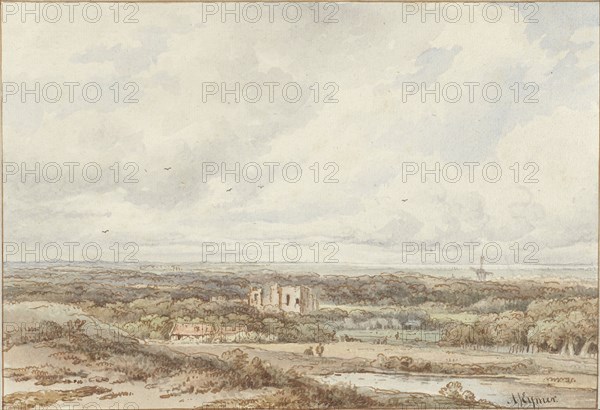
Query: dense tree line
[(566, 326), (102, 286)]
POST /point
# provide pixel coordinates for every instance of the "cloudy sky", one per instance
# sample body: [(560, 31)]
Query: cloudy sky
[(376, 131)]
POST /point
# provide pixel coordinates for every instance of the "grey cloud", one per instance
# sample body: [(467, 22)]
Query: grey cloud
[(129, 61), (556, 24)]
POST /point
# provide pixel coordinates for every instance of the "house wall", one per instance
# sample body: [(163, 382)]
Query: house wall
[(272, 296), (291, 299), (305, 300), (255, 297)]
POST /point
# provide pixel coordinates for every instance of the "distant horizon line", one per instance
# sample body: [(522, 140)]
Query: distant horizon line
[(332, 265)]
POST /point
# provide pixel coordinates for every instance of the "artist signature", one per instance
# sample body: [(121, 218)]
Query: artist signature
[(524, 401)]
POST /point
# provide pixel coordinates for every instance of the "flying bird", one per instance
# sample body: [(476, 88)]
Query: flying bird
[(261, 186), (105, 231), (229, 189), (404, 200), (166, 169)]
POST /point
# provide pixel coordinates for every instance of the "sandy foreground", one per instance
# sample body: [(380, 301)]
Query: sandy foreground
[(340, 357)]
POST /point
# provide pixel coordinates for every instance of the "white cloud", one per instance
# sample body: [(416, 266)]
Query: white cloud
[(368, 134)]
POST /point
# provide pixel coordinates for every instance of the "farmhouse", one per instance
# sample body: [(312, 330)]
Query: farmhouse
[(297, 299)]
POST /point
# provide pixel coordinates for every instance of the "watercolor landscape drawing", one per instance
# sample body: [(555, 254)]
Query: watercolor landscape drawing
[(317, 205)]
